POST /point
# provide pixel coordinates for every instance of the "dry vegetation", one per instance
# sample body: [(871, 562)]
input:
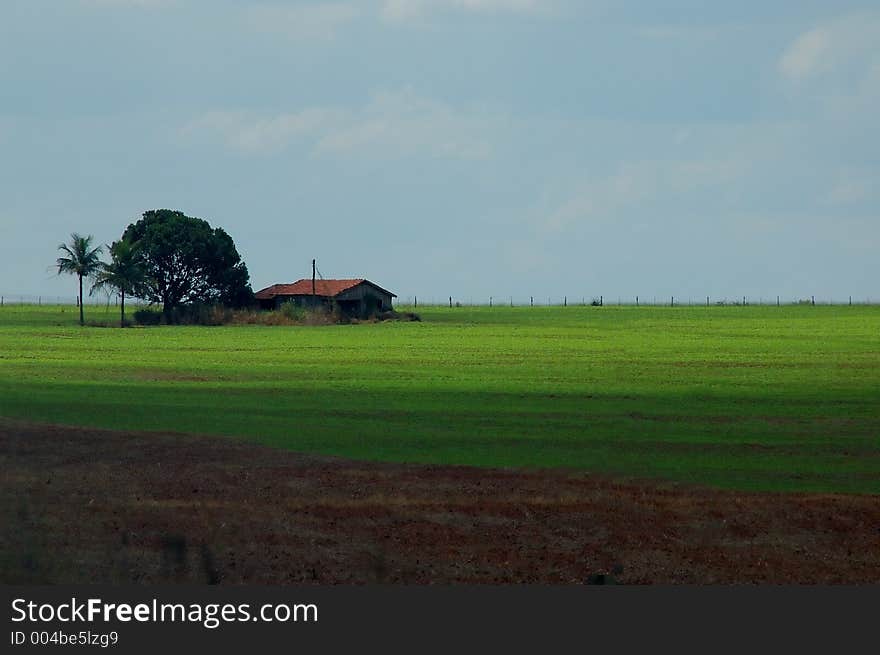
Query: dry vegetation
[(288, 314), (88, 505)]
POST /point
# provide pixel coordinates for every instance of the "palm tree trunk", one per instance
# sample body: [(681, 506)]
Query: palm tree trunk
[(81, 321), (122, 304)]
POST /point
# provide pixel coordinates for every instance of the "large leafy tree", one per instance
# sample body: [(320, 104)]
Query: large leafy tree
[(124, 273), (81, 259), (186, 261)]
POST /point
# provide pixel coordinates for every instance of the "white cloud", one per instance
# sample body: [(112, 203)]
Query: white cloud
[(254, 134), (603, 199), (391, 124), (401, 123), (807, 55), (851, 188), (303, 21), (6, 128), (847, 42), (142, 4), (323, 20), (402, 10), (833, 75), (681, 33)]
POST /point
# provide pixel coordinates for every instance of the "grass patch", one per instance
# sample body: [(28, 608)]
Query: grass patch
[(739, 397)]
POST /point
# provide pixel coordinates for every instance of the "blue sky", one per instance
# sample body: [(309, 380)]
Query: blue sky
[(456, 147)]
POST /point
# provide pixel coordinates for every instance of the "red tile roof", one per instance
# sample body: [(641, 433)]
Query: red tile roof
[(329, 288)]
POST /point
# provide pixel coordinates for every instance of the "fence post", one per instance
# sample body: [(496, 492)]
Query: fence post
[(850, 301), (450, 302), (637, 301), (490, 301), (531, 301), (777, 301), (565, 301), (707, 301), (744, 301), (601, 301), (672, 301), (813, 300), (415, 301)]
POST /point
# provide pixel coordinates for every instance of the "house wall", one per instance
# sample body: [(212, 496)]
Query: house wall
[(362, 300), (368, 295), (303, 301)]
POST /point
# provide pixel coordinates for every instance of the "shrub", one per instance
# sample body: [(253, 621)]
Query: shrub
[(205, 315), (392, 315), (321, 316), (292, 311), (288, 313), (186, 315), (147, 317)]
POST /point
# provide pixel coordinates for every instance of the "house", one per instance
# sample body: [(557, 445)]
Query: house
[(356, 297)]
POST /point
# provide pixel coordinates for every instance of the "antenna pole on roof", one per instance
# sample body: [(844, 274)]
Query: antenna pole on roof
[(313, 277)]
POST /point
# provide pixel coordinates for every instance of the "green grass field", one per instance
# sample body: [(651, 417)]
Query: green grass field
[(758, 398)]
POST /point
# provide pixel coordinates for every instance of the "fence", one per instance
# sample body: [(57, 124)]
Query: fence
[(503, 301), (98, 300), (631, 301)]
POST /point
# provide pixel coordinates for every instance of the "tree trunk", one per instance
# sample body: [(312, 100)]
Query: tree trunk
[(122, 305), (81, 321)]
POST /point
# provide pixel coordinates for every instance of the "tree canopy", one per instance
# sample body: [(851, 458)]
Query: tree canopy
[(124, 273), (79, 259), (186, 261)]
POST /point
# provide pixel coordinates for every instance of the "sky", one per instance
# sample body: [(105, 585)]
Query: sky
[(465, 148)]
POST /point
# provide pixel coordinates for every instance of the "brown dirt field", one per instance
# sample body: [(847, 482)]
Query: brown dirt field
[(87, 505)]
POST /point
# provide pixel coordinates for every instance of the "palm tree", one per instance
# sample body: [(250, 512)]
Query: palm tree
[(124, 273), (82, 260)]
